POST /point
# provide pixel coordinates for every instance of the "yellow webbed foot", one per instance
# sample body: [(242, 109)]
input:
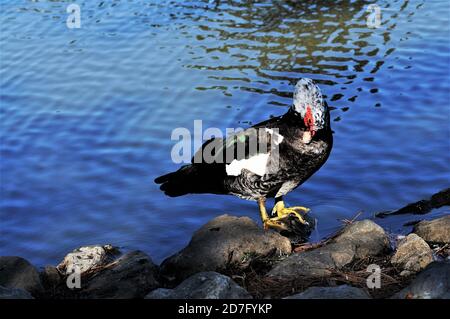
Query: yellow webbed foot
[(282, 212), (274, 223), (304, 209), (269, 223)]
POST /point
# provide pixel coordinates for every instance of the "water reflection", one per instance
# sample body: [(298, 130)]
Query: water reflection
[(88, 113), (265, 46)]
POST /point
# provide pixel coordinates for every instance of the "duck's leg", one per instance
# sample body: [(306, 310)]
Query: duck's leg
[(269, 222), (281, 211)]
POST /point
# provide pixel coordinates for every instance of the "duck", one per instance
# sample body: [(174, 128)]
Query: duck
[(290, 148)]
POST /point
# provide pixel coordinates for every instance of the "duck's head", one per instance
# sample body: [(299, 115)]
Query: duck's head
[(310, 106)]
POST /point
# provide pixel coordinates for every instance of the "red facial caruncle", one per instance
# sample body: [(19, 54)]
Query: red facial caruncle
[(309, 120)]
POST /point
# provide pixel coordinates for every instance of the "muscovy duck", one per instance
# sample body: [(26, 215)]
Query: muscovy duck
[(295, 146)]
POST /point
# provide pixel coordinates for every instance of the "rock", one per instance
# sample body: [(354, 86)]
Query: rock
[(131, 276), (16, 272), (163, 293), (86, 258), (357, 241), (101, 274), (434, 231), (413, 254), (313, 263), (432, 283), (339, 292), (224, 240), (366, 237), (441, 198), (14, 293), (421, 207), (51, 279), (204, 285)]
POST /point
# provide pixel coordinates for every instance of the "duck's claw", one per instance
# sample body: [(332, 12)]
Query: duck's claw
[(274, 223), (302, 208), (282, 212)]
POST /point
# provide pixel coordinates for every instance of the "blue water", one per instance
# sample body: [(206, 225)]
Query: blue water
[(87, 114)]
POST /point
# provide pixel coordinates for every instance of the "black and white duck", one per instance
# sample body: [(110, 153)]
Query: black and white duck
[(291, 148)]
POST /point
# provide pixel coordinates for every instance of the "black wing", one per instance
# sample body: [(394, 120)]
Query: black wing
[(238, 146), (207, 173)]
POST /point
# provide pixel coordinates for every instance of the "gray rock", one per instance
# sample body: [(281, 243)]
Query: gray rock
[(204, 285), (16, 272), (225, 239), (413, 254), (434, 231), (339, 292), (14, 293), (85, 258), (51, 278), (313, 263), (366, 237), (432, 283), (358, 240), (131, 276), (163, 293)]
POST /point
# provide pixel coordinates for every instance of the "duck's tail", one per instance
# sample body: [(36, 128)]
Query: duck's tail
[(188, 179)]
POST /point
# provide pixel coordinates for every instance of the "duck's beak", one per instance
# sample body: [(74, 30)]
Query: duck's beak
[(307, 137)]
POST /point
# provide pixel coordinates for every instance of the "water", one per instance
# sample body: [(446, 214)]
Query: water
[(87, 114)]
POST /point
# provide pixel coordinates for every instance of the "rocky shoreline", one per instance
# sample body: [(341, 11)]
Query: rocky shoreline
[(232, 257)]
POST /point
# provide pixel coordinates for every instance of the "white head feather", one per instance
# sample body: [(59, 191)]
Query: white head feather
[(307, 93)]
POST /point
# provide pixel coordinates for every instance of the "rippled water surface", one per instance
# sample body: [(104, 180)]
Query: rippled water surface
[(87, 114)]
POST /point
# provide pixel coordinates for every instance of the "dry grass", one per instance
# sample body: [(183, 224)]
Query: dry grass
[(260, 286)]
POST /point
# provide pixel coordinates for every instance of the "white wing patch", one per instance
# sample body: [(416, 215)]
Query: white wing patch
[(277, 138), (255, 164), (286, 188)]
